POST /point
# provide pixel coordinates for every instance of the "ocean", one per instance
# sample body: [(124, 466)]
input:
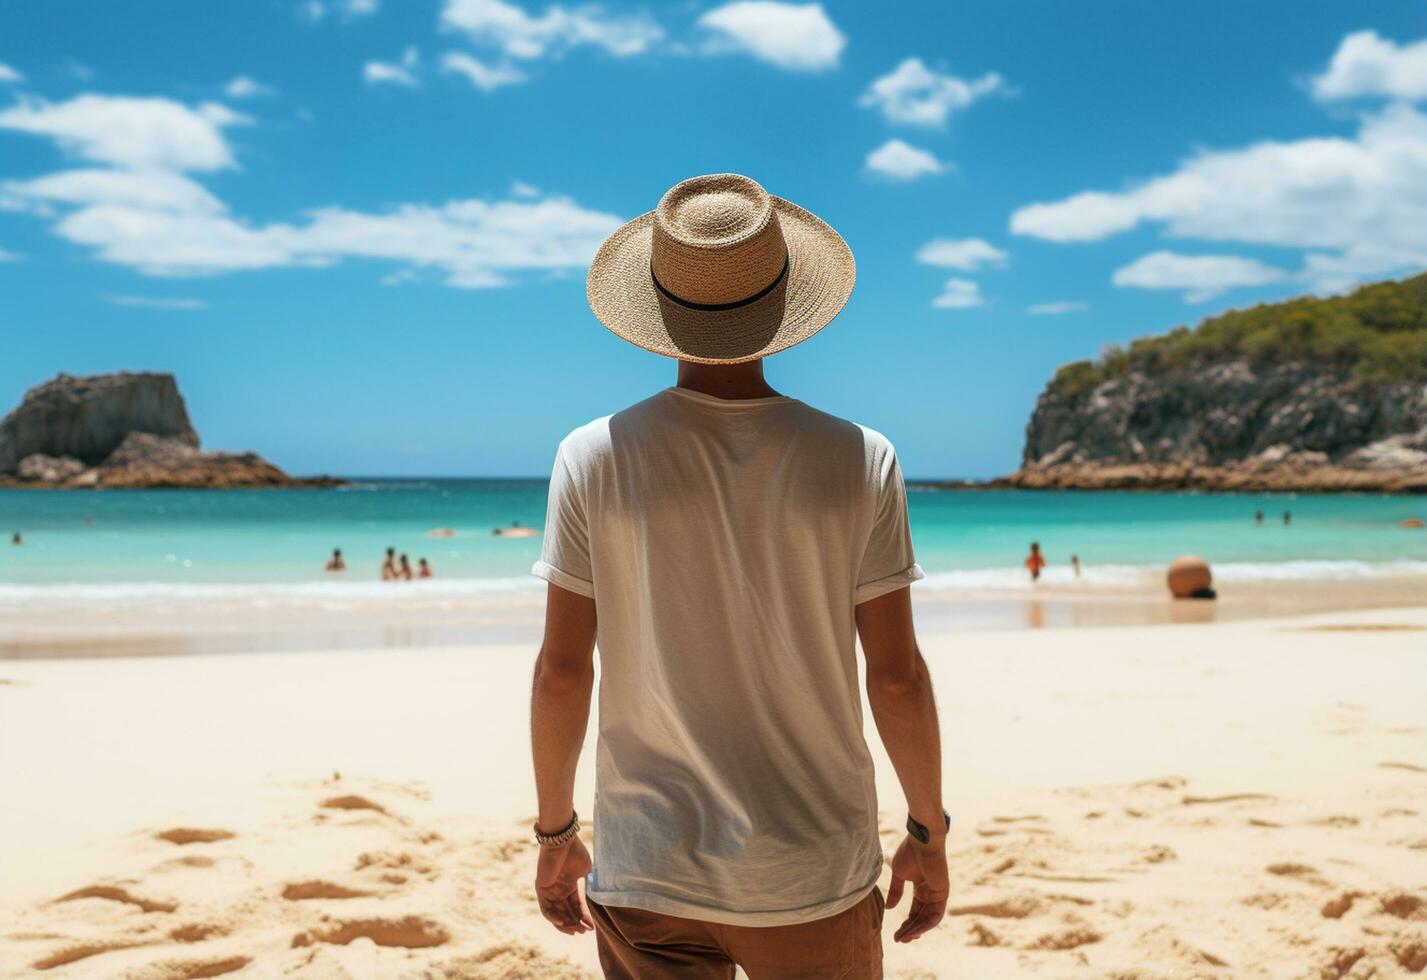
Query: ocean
[(147, 545)]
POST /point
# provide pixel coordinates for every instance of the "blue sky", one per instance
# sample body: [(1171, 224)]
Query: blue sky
[(357, 229)]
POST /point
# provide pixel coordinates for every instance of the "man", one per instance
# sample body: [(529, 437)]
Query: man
[(389, 573), (726, 545), (336, 563)]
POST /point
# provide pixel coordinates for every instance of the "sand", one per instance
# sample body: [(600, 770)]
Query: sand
[(1241, 799)]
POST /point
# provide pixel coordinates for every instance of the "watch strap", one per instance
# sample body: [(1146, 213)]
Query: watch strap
[(920, 831)]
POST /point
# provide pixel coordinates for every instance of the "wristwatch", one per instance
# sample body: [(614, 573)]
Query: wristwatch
[(920, 831)]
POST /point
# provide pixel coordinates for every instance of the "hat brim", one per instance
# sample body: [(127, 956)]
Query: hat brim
[(820, 277)]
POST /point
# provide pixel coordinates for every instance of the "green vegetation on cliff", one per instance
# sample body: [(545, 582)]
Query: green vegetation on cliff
[(1377, 334)]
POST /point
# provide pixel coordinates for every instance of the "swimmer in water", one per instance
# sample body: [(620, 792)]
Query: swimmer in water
[(405, 572), (423, 570), (1035, 561), (336, 563), (389, 566)]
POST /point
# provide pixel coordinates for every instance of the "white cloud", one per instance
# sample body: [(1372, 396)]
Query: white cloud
[(360, 8), (1057, 308), (8, 256), (799, 37), (966, 254), (157, 302), (959, 294), (470, 243), (1366, 64), (148, 190), (897, 160), (312, 11), (145, 213), (246, 87), (485, 77), (519, 188), (1202, 277), (8, 74), (387, 73), (520, 35), (1359, 205), (915, 95), (131, 132)]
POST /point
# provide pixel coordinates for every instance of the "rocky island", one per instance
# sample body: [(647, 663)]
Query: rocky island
[(1311, 395), (120, 430)]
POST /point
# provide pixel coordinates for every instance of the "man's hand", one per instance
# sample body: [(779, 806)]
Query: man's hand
[(924, 865), (557, 886)]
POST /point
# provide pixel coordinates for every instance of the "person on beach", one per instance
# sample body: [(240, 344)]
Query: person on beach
[(1075, 565), (726, 545), (1035, 561), (336, 563), (404, 570), (423, 570), (389, 573)]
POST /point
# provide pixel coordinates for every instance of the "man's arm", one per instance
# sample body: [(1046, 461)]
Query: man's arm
[(899, 689), (559, 712)]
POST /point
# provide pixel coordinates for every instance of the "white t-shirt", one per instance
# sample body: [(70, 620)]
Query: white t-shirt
[(725, 543)]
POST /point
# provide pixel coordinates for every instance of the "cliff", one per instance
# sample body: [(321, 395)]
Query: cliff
[(1311, 394), (119, 430)]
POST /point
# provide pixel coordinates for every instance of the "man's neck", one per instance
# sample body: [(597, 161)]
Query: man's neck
[(732, 381)]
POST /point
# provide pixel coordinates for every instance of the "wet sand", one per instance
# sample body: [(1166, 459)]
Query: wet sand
[(182, 628)]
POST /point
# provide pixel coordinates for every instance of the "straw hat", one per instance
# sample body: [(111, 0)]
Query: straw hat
[(721, 272)]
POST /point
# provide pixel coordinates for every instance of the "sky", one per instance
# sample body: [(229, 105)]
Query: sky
[(357, 230)]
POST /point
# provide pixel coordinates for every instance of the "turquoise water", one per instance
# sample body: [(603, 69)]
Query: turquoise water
[(162, 542)]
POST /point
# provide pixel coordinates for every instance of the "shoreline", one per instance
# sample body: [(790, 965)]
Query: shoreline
[(172, 627), (1246, 477)]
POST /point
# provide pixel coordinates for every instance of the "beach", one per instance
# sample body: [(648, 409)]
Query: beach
[(1240, 799)]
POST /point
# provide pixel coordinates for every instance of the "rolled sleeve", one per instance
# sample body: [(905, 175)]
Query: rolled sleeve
[(891, 583), (565, 551), (556, 576), (888, 562)]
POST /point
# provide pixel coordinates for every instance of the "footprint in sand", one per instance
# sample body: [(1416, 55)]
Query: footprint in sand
[(1411, 956), (194, 835), (1067, 939), (505, 960), (1230, 798), (1404, 906), (411, 932), (1015, 907), (302, 891), (352, 802), (190, 969), (392, 861), (197, 932), (1336, 908), (1337, 822), (1301, 872), (113, 893), (73, 954)]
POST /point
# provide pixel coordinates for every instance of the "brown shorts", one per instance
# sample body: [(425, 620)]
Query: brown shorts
[(639, 945)]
